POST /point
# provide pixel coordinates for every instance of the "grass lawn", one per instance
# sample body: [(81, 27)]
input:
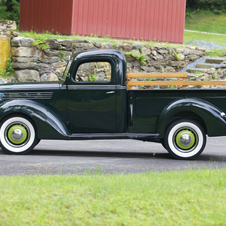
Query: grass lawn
[(92, 38), (207, 22), (189, 36), (195, 197)]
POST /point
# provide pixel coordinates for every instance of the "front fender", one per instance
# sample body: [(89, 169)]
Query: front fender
[(49, 124), (210, 114)]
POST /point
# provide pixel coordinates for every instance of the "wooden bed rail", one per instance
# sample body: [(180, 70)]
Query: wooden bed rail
[(180, 82)]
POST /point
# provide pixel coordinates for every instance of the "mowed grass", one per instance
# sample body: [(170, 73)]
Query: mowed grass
[(189, 36), (195, 197), (207, 22)]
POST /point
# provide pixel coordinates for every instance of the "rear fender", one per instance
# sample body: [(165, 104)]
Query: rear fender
[(210, 114), (49, 124)]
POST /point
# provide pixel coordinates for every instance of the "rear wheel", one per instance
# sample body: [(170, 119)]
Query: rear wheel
[(17, 135), (185, 139)]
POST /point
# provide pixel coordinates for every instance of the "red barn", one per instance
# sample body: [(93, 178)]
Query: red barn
[(156, 20)]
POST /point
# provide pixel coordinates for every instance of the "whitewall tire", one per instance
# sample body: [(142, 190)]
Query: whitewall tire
[(17, 135), (185, 139)]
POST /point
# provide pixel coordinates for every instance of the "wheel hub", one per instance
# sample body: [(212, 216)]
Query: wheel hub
[(185, 139), (17, 134)]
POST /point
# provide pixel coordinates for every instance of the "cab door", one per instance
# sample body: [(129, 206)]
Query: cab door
[(92, 99)]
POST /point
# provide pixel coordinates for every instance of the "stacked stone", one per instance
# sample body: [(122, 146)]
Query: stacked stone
[(32, 64), (95, 71), (162, 59), (213, 69), (6, 29)]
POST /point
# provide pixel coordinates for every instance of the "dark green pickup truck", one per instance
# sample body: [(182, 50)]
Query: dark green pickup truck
[(93, 103)]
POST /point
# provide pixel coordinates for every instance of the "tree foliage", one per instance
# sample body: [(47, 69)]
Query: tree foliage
[(10, 10), (216, 6)]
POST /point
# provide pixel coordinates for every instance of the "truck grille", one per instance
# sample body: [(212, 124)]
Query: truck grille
[(28, 95)]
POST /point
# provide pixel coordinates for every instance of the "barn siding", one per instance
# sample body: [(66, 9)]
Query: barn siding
[(46, 15), (159, 20)]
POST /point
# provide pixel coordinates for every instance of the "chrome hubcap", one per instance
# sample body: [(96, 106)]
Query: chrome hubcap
[(17, 134), (185, 139)]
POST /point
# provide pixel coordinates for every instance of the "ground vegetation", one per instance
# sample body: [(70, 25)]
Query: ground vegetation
[(194, 197)]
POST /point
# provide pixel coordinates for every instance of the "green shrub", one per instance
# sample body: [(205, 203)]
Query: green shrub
[(8, 71), (10, 10), (215, 6), (41, 43), (93, 78), (62, 55), (3, 12)]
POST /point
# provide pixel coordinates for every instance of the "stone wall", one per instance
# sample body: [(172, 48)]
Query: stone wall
[(94, 71), (6, 28), (32, 64)]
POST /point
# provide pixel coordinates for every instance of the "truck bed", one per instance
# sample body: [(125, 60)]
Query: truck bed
[(148, 105)]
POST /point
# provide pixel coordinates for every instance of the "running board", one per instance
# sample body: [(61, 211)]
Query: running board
[(102, 136)]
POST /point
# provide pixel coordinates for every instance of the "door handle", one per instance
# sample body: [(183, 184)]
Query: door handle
[(110, 92)]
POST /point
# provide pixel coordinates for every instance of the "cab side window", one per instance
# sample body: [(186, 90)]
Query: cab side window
[(94, 72)]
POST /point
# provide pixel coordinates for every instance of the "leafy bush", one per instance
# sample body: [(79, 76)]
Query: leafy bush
[(215, 6), (10, 10), (3, 12), (41, 43), (93, 77), (8, 71)]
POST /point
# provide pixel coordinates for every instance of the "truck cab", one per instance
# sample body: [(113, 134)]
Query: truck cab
[(97, 92)]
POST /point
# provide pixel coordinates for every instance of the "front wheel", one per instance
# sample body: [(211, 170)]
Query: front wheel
[(185, 139), (17, 135)]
